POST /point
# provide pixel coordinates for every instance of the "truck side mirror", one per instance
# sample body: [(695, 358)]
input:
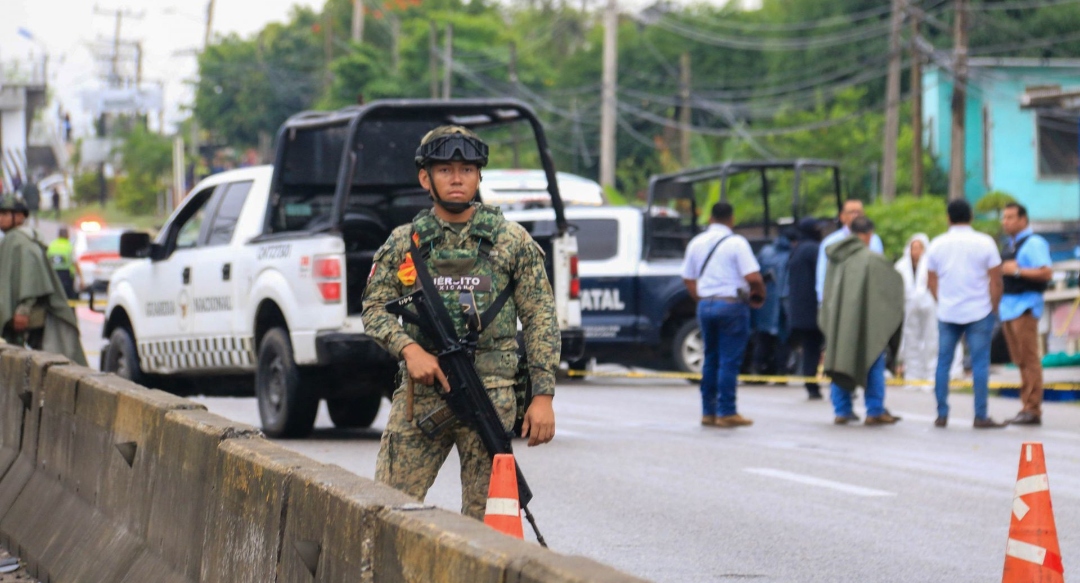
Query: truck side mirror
[(136, 245)]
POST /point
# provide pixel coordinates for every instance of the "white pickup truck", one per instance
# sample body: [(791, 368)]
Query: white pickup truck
[(257, 277)]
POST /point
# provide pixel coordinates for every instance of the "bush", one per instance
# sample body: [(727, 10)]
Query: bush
[(907, 215), (88, 188)]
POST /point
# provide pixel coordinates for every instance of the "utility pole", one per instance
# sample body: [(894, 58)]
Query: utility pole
[(916, 107), (892, 105), (609, 103), (209, 23), (684, 109), (115, 77), (328, 47), (512, 75), (395, 42), (957, 146), (448, 60), (358, 21), (433, 59)]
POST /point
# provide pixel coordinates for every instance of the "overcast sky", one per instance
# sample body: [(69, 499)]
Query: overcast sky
[(169, 30)]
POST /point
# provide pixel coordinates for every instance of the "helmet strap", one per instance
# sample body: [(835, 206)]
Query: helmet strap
[(454, 208)]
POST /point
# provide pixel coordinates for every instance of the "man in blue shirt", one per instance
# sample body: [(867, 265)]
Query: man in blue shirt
[(852, 209), (1026, 270)]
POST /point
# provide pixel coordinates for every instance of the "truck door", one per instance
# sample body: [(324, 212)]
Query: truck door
[(608, 281), (214, 273), (170, 316)]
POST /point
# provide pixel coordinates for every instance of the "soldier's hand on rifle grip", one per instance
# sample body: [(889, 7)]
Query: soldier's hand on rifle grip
[(423, 366), (539, 422)]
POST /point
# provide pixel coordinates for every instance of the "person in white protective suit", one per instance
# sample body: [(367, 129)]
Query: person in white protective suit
[(919, 346)]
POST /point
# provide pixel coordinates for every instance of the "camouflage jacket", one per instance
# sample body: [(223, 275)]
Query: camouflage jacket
[(513, 257)]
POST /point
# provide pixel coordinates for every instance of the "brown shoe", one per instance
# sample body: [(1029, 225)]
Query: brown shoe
[(941, 421), (988, 423), (845, 419), (1025, 418), (883, 419), (708, 420), (735, 420)]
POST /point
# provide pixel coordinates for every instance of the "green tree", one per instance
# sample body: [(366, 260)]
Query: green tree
[(146, 159)]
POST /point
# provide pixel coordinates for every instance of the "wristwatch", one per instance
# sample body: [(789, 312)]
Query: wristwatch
[(1017, 272)]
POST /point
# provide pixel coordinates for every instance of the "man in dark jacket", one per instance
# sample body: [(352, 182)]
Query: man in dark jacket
[(861, 313), (770, 321), (802, 301)]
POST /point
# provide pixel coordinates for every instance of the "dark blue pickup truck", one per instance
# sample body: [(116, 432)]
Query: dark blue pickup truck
[(634, 306)]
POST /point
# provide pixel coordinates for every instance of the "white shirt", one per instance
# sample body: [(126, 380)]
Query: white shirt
[(961, 258), (726, 271), (823, 263)]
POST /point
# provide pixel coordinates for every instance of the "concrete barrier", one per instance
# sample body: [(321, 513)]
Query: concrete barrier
[(105, 480)]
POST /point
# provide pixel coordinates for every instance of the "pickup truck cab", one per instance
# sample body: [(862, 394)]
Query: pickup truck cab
[(634, 306), (257, 277)]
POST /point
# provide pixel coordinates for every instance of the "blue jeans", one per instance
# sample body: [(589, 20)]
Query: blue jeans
[(978, 340), (875, 392), (725, 330)]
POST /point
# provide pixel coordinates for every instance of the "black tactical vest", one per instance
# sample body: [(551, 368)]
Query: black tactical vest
[(1019, 285)]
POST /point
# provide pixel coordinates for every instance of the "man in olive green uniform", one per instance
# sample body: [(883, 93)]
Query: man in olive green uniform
[(460, 237), (62, 258), (33, 307)]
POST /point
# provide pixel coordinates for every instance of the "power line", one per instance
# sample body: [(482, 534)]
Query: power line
[(1022, 5), (838, 20)]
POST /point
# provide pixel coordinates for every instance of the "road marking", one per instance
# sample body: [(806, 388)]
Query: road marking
[(813, 481)]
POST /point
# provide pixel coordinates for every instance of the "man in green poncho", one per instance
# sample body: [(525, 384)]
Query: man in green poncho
[(33, 307), (862, 311)]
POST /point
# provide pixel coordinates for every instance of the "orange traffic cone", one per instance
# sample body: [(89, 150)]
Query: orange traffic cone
[(1032, 554), (503, 507)]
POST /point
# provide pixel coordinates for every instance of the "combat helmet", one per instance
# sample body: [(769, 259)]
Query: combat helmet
[(449, 143), (9, 202)]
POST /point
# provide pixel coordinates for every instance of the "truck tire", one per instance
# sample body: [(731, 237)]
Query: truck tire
[(122, 357), (354, 412), (287, 408), (687, 348)]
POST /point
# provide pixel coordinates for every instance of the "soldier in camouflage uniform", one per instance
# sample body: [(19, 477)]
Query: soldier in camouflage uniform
[(461, 237)]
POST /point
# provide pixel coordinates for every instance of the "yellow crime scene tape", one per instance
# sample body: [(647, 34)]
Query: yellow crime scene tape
[(691, 376)]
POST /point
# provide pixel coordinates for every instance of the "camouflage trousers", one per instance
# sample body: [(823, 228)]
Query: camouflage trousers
[(409, 460)]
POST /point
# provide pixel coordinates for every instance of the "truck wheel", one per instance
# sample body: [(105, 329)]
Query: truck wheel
[(286, 408), (687, 348), (354, 412), (122, 357)]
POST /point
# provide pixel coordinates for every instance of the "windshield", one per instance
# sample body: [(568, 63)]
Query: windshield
[(103, 242)]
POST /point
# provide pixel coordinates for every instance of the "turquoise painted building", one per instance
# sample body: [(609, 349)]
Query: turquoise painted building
[(1032, 154)]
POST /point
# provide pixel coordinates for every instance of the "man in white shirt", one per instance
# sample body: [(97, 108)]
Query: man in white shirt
[(964, 274), (852, 209), (721, 273)]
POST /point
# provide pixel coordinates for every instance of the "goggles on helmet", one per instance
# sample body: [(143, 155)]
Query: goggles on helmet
[(453, 147)]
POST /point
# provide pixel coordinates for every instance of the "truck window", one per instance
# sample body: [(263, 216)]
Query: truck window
[(228, 202), (598, 239)]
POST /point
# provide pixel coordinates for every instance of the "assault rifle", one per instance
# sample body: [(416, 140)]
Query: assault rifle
[(467, 398)]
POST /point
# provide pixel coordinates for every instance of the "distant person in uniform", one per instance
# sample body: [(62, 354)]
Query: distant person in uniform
[(722, 274), (461, 236), (34, 310), (802, 302), (62, 258), (862, 313), (1026, 269), (964, 274)]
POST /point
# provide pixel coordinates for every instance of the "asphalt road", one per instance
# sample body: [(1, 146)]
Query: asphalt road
[(634, 481)]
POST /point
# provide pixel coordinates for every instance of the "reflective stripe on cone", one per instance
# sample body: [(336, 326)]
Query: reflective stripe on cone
[(1034, 554)]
